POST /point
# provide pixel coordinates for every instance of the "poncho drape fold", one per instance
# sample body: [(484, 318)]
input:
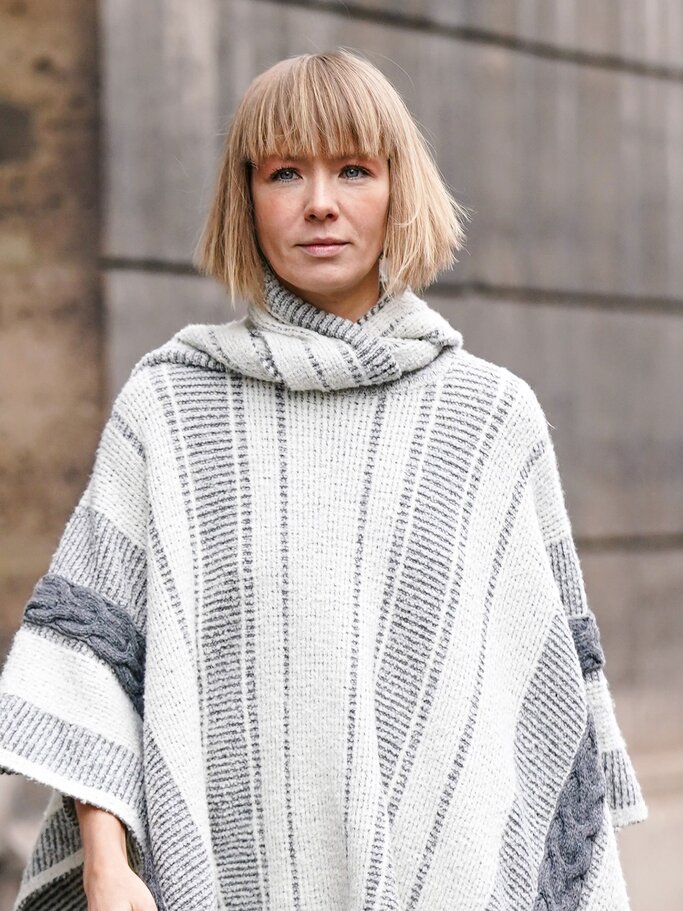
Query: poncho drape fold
[(317, 633)]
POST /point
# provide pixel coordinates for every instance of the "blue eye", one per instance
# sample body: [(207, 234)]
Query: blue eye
[(276, 175), (355, 167)]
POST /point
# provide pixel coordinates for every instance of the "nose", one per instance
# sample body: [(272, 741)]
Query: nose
[(321, 202)]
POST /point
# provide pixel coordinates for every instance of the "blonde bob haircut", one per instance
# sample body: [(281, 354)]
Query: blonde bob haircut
[(333, 104)]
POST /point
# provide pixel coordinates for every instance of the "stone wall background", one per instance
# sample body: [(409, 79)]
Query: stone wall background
[(560, 123), (52, 394)]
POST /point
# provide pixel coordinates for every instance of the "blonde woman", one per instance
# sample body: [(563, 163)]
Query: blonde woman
[(316, 636)]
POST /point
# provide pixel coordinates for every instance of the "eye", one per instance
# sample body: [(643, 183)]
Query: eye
[(278, 175), (362, 172)]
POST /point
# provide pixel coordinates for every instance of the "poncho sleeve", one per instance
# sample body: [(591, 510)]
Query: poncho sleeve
[(623, 792), (71, 689)]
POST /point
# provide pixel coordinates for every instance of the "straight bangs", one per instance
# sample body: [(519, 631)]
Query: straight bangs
[(309, 107)]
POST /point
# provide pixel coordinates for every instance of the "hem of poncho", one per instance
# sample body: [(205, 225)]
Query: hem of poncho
[(628, 816), (12, 765), (70, 790)]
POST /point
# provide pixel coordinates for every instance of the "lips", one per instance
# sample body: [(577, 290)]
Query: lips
[(322, 242), (324, 248)]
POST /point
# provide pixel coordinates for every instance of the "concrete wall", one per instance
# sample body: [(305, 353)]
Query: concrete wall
[(560, 122)]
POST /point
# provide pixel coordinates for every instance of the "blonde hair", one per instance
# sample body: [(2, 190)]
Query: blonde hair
[(330, 104)]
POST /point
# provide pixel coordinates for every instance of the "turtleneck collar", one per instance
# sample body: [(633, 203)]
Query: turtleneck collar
[(298, 345)]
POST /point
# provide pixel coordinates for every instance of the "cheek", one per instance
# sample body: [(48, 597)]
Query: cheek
[(375, 211), (270, 215)]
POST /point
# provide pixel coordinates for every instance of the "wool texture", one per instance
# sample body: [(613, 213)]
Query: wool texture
[(317, 633)]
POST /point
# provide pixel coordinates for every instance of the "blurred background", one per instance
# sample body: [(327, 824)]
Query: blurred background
[(559, 122)]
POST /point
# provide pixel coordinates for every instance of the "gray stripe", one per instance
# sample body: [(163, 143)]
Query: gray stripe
[(61, 894), (262, 350), (94, 553), (564, 562), (185, 357), (368, 474), (127, 433), (284, 452), (183, 874), (381, 864), (186, 379), (442, 498), (82, 614), (71, 751), (58, 839), (620, 790), (587, 640), (355, 372), (515, 881), (158, 554), (317, 367)]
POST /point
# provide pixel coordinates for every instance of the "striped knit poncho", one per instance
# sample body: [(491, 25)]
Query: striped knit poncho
[(316, 632)]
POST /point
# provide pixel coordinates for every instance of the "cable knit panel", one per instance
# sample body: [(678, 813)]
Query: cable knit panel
[(81, 614), (587, 641), (573, 830)]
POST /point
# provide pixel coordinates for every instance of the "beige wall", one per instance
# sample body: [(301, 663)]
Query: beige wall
[(50, 317), (560, 122), (51, 370)]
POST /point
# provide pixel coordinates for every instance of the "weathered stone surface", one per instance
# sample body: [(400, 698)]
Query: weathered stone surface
[(50, 329), (619, 32)]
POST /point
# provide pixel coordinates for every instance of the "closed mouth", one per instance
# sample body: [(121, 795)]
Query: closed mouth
[(323, 243)]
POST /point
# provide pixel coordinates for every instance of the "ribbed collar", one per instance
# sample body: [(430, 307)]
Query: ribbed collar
[(300, 346)]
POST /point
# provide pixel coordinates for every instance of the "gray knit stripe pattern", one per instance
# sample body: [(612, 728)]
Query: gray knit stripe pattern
[(317, 633)]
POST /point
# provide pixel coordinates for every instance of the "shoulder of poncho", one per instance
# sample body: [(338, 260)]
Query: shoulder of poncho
[(132, 404), (472, 369), (174, 353)]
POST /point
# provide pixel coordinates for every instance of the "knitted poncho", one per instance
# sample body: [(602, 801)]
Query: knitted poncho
[(317, 633)]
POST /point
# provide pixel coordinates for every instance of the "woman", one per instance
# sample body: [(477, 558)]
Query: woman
[(316, 634)]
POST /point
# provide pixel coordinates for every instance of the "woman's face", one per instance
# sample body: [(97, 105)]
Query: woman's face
[(320, 223)]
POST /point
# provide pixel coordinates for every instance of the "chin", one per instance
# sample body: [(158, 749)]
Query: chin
[(325, 276)]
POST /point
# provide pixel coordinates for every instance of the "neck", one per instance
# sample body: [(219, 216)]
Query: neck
[(350, 304)]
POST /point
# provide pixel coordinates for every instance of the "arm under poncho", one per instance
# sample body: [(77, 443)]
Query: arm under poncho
[(71, 692), (623, 794)]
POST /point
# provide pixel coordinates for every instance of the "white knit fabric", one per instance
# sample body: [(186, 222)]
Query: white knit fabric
[(317, 633)]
